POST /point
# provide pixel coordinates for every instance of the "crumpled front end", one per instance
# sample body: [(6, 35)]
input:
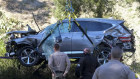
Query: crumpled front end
[(123, 36)]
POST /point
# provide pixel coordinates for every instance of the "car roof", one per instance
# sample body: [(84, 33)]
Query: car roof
[(104, 20)]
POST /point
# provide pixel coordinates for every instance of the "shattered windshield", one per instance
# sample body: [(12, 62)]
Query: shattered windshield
[(47, 46), (48, 28)]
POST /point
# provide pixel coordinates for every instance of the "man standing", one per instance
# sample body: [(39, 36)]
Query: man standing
[(87, 65), (59, 63), (114, 69)]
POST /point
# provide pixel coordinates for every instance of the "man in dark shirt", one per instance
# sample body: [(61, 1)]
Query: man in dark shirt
[(87, 65)]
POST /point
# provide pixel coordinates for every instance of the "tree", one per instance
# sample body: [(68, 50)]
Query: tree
[(98, 7)]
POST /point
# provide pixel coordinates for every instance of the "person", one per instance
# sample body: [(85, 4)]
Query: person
[(114, 69), (87, 65), (59, 63)]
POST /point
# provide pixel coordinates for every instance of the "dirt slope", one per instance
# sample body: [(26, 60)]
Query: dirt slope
[(22, 11)]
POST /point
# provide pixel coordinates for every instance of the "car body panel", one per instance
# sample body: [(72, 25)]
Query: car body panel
[(65, 45), (79, 41), (28, 39), (117, 31), (24, 32), (66, 37)]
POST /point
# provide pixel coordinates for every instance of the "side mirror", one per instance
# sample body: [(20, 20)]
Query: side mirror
[(30, 29), (58, 39)]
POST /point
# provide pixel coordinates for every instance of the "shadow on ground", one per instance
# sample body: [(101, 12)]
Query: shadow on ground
[(21, 6), (24, 8)]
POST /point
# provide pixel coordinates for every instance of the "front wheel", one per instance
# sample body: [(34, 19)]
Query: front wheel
[(102, 54), (28, 56)]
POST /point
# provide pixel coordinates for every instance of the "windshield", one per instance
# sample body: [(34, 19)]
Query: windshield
[(48, 44), (48, 28)]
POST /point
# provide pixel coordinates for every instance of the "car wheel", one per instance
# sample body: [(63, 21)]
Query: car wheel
[(28, 57), (102, 54)]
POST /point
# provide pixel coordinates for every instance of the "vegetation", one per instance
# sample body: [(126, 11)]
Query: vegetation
[(98, 7), (7, 24)]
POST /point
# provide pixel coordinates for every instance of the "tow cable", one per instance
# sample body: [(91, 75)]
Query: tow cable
[(69, 12)]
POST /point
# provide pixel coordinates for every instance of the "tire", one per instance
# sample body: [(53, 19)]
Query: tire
[(27, 56), (102, 54)]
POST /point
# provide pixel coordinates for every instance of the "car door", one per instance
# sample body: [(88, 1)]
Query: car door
[(94, 30), (79, 40), (66, 36)]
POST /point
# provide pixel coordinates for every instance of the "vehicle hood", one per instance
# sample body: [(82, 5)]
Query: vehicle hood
[(29, 39), (17, 32)]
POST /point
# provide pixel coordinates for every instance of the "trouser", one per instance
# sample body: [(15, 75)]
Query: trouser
[(58, 76)]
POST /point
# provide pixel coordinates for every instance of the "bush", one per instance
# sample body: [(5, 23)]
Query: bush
[(98, 7)]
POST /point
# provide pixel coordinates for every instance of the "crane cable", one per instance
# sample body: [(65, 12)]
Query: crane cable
[(71, 15), (69, 12)]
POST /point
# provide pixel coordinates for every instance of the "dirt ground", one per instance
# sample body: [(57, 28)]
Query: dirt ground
[(22, 10)]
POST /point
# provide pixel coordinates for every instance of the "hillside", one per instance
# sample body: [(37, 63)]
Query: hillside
[(21, 10)]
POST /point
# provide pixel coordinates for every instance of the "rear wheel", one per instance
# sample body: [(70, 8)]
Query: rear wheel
[(102, 54), (28, 56)]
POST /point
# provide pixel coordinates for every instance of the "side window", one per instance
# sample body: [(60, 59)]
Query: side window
[(75, 28), (64, 28), (97, 26), (91, 26)]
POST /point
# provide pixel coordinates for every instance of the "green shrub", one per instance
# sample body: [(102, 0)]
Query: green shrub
[(98, 7)]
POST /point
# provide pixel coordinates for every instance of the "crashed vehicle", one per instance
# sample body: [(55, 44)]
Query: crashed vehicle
[(31, 47)]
